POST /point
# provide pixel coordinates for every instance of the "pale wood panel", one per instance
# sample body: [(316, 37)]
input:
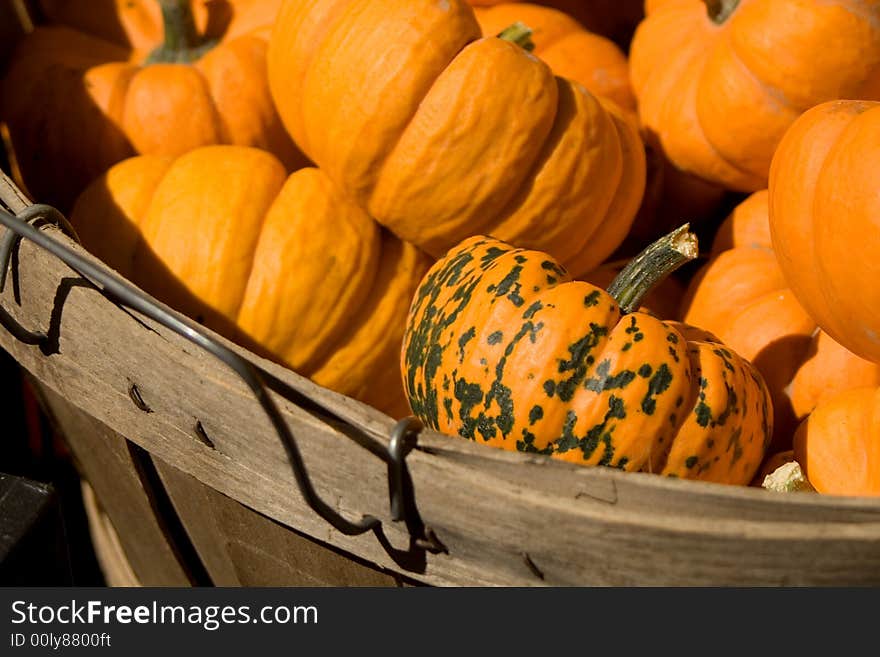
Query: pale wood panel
[(240, 547), (104, 459)]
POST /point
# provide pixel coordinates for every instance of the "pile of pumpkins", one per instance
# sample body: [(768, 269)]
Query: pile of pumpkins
[(441, 208)]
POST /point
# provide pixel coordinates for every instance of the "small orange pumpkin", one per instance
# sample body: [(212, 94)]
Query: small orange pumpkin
[(569, 49), (838, 445), (75, 103), (283, 265), (459, 134), (742, 297), (823, 218), (720, 81)]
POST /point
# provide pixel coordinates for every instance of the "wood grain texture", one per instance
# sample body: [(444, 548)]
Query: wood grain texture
[(505, 518), (111, 555), (240, 547)]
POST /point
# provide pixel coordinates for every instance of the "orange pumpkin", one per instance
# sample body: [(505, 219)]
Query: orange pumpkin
[(456, 134), (570, 50), (503, 348), (281, 264), (823, 218), (742, 297), (838, 445), (720, 81), (76, 103)]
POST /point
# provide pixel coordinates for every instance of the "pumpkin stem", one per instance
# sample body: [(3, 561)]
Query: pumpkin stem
[(182, 42), (651, 266), (720, 10), (520, 34)]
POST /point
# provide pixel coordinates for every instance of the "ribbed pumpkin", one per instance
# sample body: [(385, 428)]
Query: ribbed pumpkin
[(720, 81), (503, 348), (455, 134), (75, 103), (742, 297), (284, 265), (824, 210), (570, 50), (838, 445)]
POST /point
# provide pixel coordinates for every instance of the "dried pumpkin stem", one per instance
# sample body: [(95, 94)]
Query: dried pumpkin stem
[(520, 34), (720, 10), (182, 41), (651, 266)]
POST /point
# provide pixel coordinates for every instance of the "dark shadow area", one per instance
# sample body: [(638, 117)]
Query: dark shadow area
[(778, 362), (55, 547)]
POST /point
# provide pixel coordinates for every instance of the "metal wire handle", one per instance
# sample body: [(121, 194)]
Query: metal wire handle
[(404, 436)]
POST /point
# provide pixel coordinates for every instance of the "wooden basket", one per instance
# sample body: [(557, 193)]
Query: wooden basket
[(192, 475)]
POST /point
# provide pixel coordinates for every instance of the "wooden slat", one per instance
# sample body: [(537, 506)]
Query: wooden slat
[(240, 547), (108, 548), (506, 519), (106, 462)]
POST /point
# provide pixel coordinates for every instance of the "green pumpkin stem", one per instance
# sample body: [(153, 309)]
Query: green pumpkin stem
[(182, 42), (651, 266), (520, 34), (720, 10)]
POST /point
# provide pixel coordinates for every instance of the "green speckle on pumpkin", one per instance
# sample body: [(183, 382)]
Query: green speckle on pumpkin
[(657, 385), (463, 340), (703, 413), (535, 414)]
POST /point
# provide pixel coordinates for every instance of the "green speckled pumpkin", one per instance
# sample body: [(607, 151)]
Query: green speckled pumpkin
[(502, 348)]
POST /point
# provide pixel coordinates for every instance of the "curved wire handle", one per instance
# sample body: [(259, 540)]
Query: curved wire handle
[(404, 436)]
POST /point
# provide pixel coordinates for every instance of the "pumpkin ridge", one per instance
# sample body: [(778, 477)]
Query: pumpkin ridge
[(485, 221), (415, 110), (555, 136), (676, 72), (776, 95), (658, 457), (223, 130), (341, 22), (743, 171)]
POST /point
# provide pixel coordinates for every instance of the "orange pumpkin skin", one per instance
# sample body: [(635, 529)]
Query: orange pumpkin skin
[(503, 348), (570, 50), (823, 220), (720, 95), (742, 297), (838, 444), (76, 104), (434, 147), (283, 265)]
